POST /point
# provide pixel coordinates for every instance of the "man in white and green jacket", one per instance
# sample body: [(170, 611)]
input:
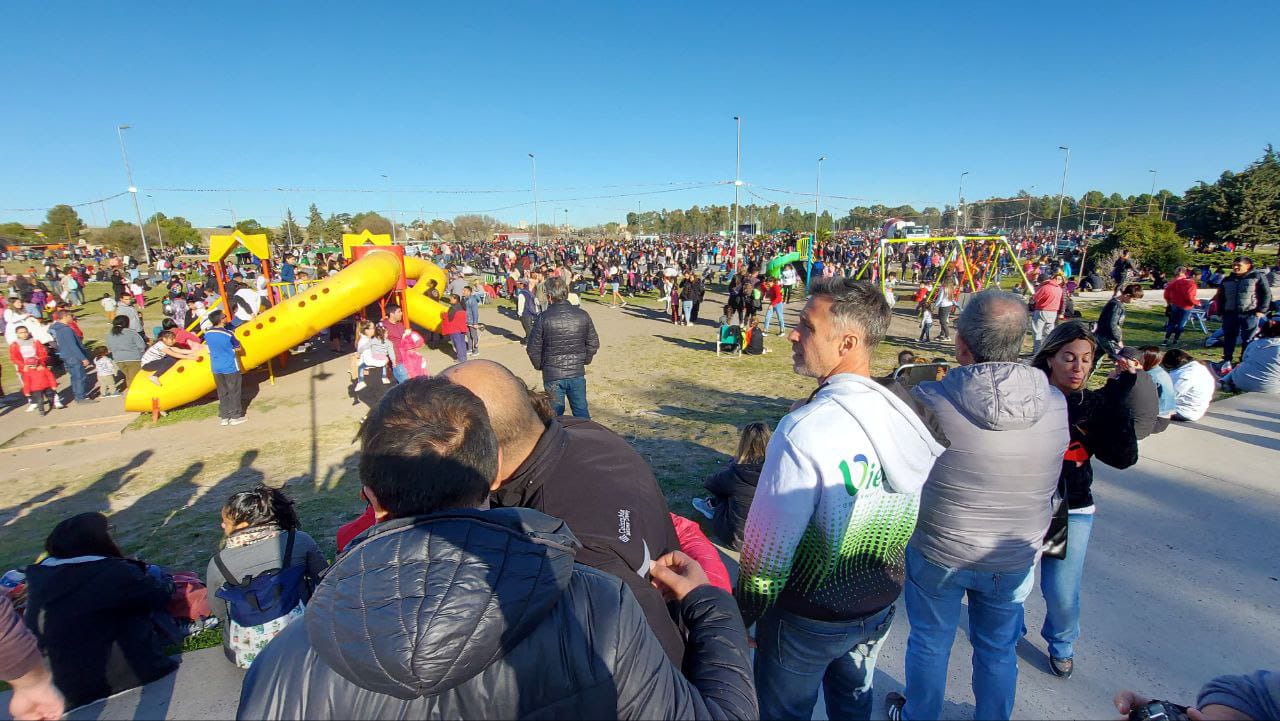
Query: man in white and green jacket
[(822, 556)]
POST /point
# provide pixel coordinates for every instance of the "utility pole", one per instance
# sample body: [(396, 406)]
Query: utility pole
[(156, 217), (960, 203), (737, 185), (133, 191), (1152, 196), (288, 225), (537, 234), (1065, 163)]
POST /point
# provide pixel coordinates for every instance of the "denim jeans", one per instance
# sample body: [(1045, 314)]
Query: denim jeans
[(768, 317), (932, 594), (79, 379), (1242, 325), (576, 391), (1177, 322), (686, 309), (1060, 582), (399, 373), (796, 655)]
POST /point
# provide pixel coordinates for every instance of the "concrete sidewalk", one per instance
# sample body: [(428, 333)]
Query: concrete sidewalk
[(1180, 586)]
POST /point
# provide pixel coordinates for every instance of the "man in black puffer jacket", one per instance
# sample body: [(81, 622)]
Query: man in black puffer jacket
[(562, 343), (443, 610)]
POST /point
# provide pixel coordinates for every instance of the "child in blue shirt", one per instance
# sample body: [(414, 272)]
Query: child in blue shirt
[(224, 348)]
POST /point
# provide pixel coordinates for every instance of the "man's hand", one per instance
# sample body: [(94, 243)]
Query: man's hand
[(1127, 701), (35, 698), (675, 575)]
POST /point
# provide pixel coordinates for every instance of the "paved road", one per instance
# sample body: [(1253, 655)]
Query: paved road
[(1180, 585)]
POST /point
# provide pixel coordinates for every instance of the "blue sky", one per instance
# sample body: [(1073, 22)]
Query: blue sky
[(619, 100)]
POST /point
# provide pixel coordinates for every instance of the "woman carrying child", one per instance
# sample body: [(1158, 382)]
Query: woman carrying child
[(373, 351), (453, 324)]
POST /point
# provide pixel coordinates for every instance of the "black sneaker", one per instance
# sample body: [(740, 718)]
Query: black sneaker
[(1061, 667), (893, 705)]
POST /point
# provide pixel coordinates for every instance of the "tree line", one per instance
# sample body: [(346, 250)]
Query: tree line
[(1241, 207)]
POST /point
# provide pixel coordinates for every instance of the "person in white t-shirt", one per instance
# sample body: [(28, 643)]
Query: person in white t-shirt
[(1193, 385), (789, 279)]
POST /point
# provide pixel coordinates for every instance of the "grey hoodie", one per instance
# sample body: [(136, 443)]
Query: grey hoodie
[(987, 502)]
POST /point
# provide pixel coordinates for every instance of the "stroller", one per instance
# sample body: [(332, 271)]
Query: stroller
[(730, 340)]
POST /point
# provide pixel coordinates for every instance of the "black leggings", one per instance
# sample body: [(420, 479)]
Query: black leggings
[(160, 366)]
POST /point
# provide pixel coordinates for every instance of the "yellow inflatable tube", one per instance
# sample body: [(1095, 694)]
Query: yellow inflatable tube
[(287, 325)]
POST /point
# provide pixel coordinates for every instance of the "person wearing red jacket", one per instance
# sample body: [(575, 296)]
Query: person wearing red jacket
[(31, 359), (1046, 309), (1180, 294), (453, 325)]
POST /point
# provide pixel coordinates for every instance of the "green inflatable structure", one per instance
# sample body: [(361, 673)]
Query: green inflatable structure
[(774, 269)]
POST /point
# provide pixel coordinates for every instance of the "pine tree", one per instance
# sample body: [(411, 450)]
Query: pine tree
[(316, 227)]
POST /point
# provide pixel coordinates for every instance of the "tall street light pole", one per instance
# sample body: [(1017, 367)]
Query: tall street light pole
[(537, 234), (1066, 161), (1152, 201), (960, 203), (737, 186), (817, 213), (133, 191), (566, 222), (391, 201), (1027, 220)]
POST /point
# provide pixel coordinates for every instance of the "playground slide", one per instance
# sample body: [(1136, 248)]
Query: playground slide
[(774, 269), (277, 329)]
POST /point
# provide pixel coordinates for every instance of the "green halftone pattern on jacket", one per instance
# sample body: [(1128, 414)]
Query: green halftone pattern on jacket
[(836, 553), (841, 555)]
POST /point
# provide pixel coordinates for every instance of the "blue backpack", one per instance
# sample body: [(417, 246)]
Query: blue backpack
[(260, 606)]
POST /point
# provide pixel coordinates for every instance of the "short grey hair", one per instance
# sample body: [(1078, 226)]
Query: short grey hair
[(556, 289), (856, 303), (993, 324)]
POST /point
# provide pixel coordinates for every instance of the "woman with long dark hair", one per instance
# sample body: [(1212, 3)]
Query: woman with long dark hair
[(91, 609), (1102, 427), (261, 528)]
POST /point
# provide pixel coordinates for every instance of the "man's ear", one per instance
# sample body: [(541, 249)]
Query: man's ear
[(379, 513), (496, 483)]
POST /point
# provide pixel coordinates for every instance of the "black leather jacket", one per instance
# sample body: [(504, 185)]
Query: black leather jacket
[(562, 342), (484, 614)]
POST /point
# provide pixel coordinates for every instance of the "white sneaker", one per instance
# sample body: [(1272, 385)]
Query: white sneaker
[(236, 421), (31, 407), (386, 380), (58, 404), (225, 422), (361, 386)]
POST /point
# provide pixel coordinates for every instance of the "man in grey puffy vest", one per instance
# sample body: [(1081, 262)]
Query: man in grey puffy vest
[(983, 511), (1243, 299)]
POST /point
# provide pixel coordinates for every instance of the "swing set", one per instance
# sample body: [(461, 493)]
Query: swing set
[(981, 254)]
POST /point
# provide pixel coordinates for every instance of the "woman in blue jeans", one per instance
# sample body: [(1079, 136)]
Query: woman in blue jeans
[(1101, 427)]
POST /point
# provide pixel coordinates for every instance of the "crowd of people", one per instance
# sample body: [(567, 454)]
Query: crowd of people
[(512, 561)]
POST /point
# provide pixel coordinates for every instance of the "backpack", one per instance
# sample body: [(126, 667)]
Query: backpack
[(261, 606)]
